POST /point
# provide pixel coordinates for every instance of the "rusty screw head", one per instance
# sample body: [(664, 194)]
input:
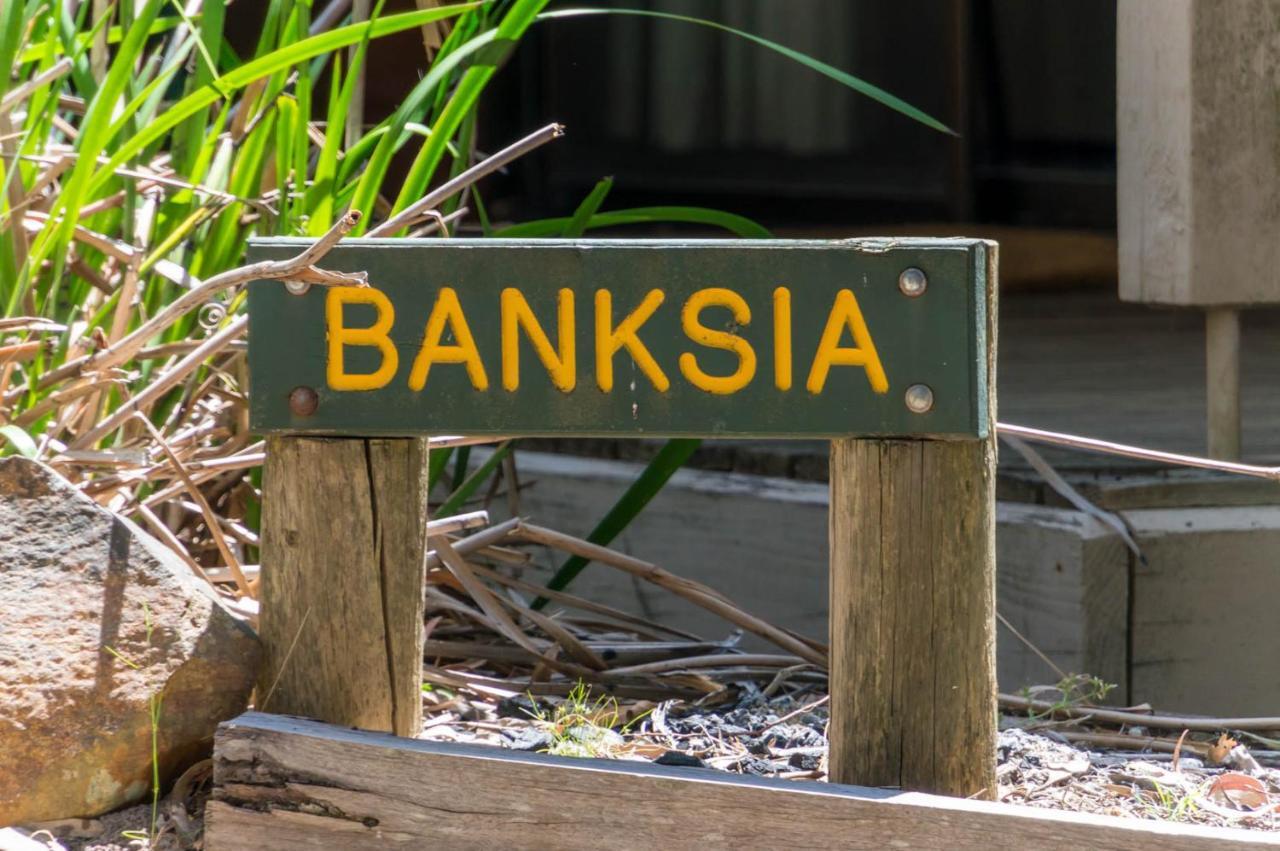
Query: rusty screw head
[(303, 401)]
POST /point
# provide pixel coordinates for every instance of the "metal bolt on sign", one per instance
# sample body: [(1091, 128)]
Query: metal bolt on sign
[(912, 282), (303, 401), (919, 398)]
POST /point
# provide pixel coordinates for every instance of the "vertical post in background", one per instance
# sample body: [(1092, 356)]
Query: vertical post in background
[(1195, 206), (343, 561), (912, 535), (1222, 382)]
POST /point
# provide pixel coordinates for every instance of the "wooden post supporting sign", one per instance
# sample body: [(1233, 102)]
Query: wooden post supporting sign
[(344, 535), (885, 347), (912, 677)]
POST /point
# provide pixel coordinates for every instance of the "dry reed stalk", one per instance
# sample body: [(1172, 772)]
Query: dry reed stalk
[(457, 523), (493, 607), (165, 534), (715, 660), (211, 519), (472, 543), (1140, 719), (168, 379), (418, 210), (694, 592), (585, 605)]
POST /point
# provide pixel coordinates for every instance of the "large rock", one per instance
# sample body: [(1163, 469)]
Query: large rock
[(96, 618)]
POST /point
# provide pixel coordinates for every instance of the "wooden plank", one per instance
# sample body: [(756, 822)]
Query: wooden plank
[(710, 337), (1205, 635), (343, 549), (1063, 583), (285, 783), (912, 577), (1113, 491)]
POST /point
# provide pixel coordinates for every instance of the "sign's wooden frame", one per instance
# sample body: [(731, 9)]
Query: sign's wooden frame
[(912, 543)]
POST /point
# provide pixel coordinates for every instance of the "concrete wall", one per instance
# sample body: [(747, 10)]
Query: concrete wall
[(1198, 151), (1205, 622)]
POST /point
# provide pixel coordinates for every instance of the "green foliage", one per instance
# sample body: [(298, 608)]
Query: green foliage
[(664, 465), (846, 79), (583, 725), (468, 486), (1072, 690), (122, 184), (736, 225), (155, 701)]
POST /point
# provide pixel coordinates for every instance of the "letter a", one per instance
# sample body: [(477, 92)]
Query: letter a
[(447, 310), (846, 314)]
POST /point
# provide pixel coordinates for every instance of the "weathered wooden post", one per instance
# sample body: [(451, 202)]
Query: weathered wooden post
[(884, 347), (343, 550), (912, 536)]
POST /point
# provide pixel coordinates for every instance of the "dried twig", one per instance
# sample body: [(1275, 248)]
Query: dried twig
[(417, 211), (1113, 716), (699, 595), (211, 520)]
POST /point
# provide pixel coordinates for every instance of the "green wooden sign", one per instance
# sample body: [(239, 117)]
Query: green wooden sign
[(765, 338)]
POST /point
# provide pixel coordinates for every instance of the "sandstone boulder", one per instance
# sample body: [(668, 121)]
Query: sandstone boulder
[(97, 620)]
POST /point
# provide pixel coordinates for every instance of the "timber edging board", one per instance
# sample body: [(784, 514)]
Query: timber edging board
[(750, 338), (287, 783)]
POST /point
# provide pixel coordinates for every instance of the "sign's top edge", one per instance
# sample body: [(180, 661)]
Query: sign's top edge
[(873, 245)]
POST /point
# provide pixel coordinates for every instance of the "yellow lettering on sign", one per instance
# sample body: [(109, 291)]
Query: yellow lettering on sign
[(846, 314), (515, 313), (782, 338), (610, 339), (699, 333), (447, 310), (376, 335)]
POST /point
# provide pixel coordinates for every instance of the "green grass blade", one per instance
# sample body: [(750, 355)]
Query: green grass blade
[(843, 77), (272, 62), (482, 214), (581, 218), (394, 132), (664, 465), (144, 104), (12, 25), (93, 139), (463, 492), (438, 460), (19, 440), (461, 458), (191, 135), (319, 200), (737, 225), (286, 123), (67, 29), (519, 18), (42, 52)]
